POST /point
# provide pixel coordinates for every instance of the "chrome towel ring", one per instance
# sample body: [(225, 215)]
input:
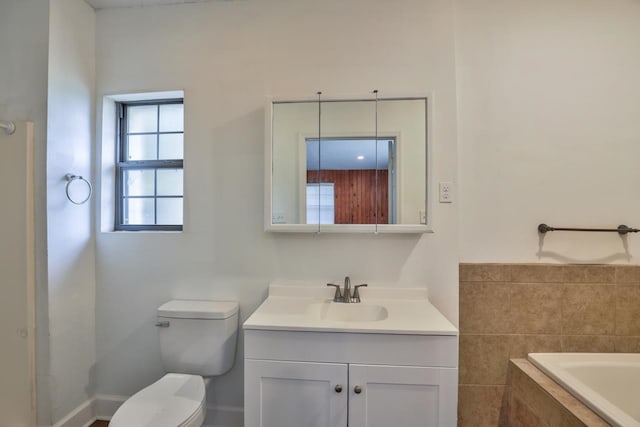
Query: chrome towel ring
[(9, 127), (71, 178)]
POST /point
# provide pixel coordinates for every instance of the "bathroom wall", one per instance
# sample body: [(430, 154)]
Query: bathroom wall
[(548, 107), (24, 33), (70, 137), (229, 56), (17, 264), (510, 310), (548, 101)]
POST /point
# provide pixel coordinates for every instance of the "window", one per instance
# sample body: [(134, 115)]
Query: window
[(149, 167)]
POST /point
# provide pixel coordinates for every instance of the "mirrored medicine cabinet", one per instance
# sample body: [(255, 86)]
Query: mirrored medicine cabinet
[(347, 165)]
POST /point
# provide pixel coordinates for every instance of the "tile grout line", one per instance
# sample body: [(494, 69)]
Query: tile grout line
[(562, 314), (615, 312)]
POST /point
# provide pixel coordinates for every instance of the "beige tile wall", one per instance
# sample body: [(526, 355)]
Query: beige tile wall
[(509, 310)]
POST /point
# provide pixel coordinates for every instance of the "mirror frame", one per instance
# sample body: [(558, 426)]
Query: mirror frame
[(269, 226)]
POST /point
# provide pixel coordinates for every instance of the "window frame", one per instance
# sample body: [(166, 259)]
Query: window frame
[(122, 165)]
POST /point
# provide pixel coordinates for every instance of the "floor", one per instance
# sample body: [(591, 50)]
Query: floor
[(100, 424)]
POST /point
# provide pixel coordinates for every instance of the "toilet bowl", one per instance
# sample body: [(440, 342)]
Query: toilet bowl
[(175, 400), (197, 339)]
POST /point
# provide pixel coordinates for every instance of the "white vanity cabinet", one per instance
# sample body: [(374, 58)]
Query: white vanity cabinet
[(310, 362), (324, 379), (281, 394), (302, 394), (408, 396)]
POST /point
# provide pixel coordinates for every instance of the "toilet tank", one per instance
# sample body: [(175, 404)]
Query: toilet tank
[(198, 337)]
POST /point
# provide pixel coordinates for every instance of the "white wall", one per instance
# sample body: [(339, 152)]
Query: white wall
[(17, 266), (24, 31), (70, 227), (228, 56), (549, 128)]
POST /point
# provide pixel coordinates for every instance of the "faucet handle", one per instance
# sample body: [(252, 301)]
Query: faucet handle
[(337, 297), (356, 292)]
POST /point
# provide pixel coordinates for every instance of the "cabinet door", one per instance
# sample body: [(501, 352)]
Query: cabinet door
[(402, 396), (295, 394)]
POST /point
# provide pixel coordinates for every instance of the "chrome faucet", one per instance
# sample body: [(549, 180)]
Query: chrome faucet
[(346, 296), (346, 293)]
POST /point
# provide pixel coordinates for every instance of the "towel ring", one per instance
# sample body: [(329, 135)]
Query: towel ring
[(70, 178)]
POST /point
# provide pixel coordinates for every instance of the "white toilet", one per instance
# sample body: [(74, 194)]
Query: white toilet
[(197, 339)]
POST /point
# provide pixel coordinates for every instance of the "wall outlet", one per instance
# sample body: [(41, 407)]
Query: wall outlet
[(446, 192), (278, 218)]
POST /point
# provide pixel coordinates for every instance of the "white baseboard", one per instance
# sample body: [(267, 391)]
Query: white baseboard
[(107, 404), (224, 416), (100, 407), (82, 416), (221, 416)]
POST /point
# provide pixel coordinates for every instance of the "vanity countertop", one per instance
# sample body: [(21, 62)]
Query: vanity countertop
[(405, 311)]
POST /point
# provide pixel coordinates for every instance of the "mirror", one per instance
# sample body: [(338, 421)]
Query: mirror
[(347, 165)]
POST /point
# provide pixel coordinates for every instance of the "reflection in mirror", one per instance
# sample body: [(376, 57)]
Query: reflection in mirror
[(328, 168), (348, 132), (290, 122), (347, 176), (408, 119)]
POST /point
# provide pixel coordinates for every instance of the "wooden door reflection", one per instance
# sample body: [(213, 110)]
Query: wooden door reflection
[(355, 194)]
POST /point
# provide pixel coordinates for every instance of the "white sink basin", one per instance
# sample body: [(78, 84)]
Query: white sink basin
[(395, 310), (353, 312)]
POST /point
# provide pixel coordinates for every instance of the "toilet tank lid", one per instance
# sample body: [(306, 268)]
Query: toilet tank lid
[(198, 309)]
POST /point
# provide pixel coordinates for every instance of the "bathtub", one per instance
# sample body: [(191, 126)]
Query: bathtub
[(609, 384)]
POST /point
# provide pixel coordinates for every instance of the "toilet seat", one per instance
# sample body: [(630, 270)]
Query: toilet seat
[(175, 400)]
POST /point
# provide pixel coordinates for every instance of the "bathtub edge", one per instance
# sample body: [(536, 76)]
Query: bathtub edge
[(545, 398)]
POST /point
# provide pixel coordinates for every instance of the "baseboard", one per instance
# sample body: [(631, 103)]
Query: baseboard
[(101, 407), (82, 416), (220, 416), (107, 404), (224, 416)]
